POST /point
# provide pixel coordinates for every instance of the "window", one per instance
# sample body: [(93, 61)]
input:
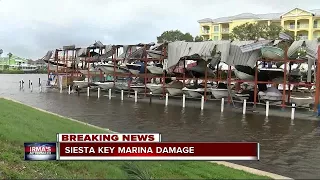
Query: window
[(315, 24), (216, 29), (215, 38)]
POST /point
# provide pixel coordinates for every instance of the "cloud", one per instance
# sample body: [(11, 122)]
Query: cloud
[(31, 27)]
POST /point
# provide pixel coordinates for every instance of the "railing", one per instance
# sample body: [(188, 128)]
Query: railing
[(303, 26), (316, 25), (225, 30), (205, 31), (291, 26)]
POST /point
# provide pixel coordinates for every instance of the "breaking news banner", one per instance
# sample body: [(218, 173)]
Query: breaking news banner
[(112, 137), (39, 151), (159, 151)]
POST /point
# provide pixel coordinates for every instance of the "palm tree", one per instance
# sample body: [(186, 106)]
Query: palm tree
[(9, 55)]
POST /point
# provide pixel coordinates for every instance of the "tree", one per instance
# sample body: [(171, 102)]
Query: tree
[(9, 55), (174, 35), (198, 39), (254, 31)]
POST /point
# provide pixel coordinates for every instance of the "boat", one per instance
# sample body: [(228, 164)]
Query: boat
[(155, 54), (108, 68), (271, 94), (174, 88), (220, 92), (244, 72), (81, 84), (105, 85), (272, 52), (155, 69), (155, 88), (137, 87), (136, 68), (199, 71), (27, 68), (302, 101), (280, 87), (193, 92)]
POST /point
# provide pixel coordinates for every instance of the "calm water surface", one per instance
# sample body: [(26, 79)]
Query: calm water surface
[(289, 148)]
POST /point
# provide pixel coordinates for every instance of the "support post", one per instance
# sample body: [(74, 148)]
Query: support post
[(69, 90), (121, 94), (150, 98), (99, 89), (317, 94), (88, 91), (222, 104), (29, 83), (267, 108), (202, 102), (183, 100), (292, 111), (39, 82), (167, 97), (31, 86), (109, 93), (244, 106), (135, 96)]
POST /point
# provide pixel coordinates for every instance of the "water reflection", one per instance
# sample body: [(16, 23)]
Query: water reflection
[(289, 148)]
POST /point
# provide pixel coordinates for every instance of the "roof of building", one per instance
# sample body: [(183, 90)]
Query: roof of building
[(269, 16)]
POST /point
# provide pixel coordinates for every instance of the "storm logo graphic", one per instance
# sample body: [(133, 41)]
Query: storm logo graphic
[(40, 151)]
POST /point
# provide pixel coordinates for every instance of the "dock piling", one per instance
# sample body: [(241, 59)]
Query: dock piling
[(183, 100), (20, 84), (202, 102), (88, 91), (39, 82), (267, 108), (31, 86), (29, 83), (109, 93), (292, 111), (69, 90), (167, 97), (150, 98), (40, 87), (135, 96), (222, 104), (99, 92), (244, 106), (122, 95)]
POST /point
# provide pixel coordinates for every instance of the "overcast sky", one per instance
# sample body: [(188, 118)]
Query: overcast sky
[(29, 28)]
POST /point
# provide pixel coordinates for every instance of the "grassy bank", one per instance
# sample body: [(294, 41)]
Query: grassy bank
[(20, 123)]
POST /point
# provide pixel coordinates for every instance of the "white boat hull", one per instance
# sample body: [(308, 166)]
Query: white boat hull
[(135, 72), (300, 101), (174, 91), (243, 76), (122, 85), (219, 93), (105, 85), (155, 70), (81, 84), (109, 69), (194, 93), (155, 88), (138, 88), (85, 72)]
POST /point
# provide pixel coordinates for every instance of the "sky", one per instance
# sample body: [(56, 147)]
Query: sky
[(29, 28)]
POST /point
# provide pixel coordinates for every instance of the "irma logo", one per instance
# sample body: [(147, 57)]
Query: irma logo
[(39, 151)]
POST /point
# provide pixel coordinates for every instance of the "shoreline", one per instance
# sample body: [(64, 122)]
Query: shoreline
[(227, 164)]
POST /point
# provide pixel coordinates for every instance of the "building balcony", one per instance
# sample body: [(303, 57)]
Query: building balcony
[(225, 30), (317, 26), (302, 37), (303, 26), (205, 31), (290, 27)]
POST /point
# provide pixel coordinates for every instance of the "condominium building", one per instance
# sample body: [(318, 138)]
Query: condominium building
[(304, 24)]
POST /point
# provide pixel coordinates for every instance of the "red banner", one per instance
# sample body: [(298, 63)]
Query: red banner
[(159, 151)]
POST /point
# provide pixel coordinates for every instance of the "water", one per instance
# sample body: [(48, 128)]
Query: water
[(289, 148)]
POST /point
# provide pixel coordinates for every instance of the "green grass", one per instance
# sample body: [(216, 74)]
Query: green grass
[(20, 123)]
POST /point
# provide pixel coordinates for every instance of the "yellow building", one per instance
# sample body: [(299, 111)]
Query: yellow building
[(304, 24)]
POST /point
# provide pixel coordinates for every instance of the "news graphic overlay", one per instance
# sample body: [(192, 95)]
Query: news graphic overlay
[(149, 147), (40, 151)]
